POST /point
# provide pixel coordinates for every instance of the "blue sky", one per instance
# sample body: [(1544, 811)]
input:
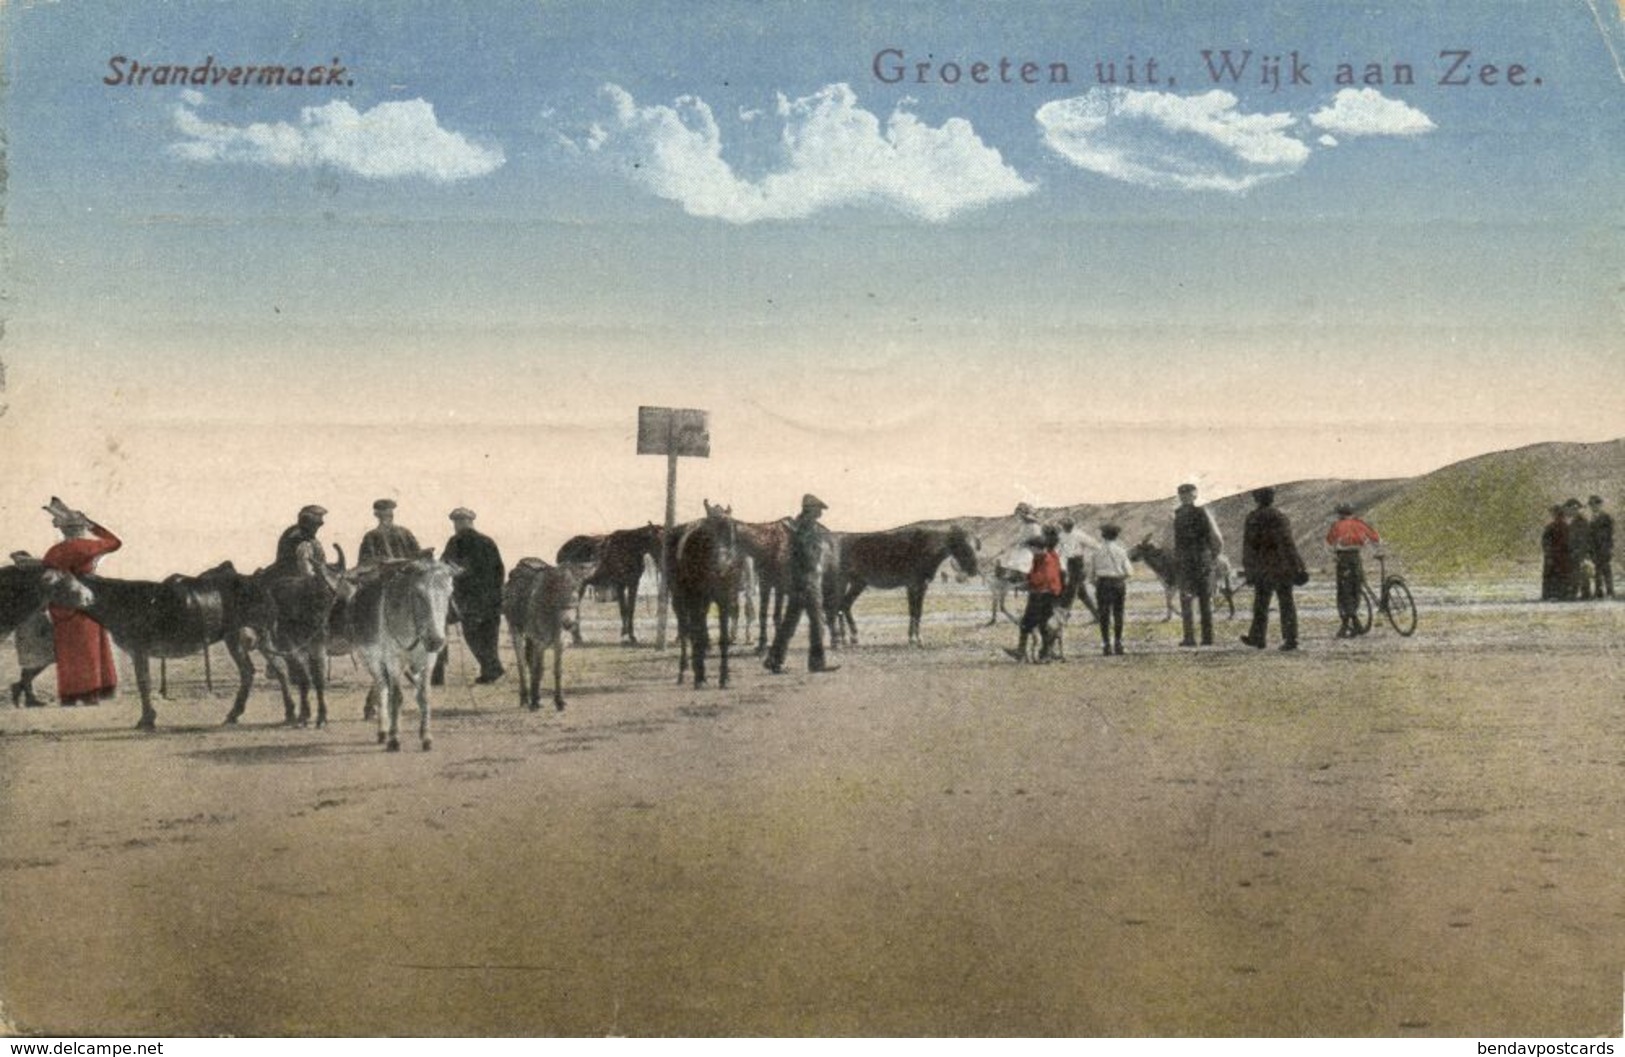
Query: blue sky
[(538, 216)]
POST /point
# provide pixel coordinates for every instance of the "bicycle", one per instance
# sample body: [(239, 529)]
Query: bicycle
[(1394, 601)]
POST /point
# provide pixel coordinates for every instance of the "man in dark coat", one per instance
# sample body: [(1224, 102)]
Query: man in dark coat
[(1273, 566), (1554, 557), (476, 595), (1197, 544), (1602, 549), (808, 542), (389, 541), (299, 539), (1579, 576)]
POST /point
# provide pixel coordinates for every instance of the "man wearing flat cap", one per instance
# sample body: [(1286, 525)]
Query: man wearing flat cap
[(810, 544), (1270, 558), (476, 595), (1602, 548), (389, 541), (298, 541), (1347, 538), (1197, 546), (1578, 584)]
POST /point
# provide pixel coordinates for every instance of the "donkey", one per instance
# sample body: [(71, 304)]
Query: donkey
[(398, 623), (545, 604), (1220, 582), (178, 617), (25, 589), (295, 646)]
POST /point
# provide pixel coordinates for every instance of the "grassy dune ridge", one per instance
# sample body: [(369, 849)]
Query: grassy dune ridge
[(1475, 519)]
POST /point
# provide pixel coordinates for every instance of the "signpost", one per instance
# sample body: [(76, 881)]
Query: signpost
[(671, 431)]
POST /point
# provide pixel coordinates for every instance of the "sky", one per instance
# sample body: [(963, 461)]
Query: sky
[(896, 264)]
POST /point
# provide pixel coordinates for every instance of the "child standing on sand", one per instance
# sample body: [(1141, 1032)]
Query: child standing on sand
[(1109, 570), (1043, 589)]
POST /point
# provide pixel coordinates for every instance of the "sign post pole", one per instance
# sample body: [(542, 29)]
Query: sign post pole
[(670, 431), (665, 571)]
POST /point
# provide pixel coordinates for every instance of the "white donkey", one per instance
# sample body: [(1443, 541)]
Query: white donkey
[(399, 625)]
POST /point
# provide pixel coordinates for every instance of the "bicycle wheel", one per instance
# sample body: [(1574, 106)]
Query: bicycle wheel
[(1363, 610), (1401, 608)]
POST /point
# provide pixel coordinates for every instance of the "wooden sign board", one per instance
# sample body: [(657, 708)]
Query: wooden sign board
[(673, 431)]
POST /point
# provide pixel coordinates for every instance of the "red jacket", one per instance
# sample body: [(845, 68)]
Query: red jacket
[(84, 653), (1350, 533), (1045, 576)]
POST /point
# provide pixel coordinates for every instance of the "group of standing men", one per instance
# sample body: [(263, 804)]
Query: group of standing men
[(1269, 560), (1269, 555), (476, 592), (1577, 553)]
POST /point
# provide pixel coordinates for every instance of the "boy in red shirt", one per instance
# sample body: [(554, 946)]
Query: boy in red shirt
[(1347, 536), (1043, 589)]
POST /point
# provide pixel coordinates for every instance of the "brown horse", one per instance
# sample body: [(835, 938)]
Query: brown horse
[(616, 563), (706, 563), (767, 544), (906, 558)]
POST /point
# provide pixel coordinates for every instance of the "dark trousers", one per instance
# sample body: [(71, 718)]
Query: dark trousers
[(1040, 607), (1350, 573), (1604, 576), (809, 600), (481, 632), (1263, 589), (1579, 585), (1075, 589), (1193, 584), (1110, 594)]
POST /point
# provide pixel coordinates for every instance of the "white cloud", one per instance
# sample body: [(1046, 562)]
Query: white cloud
[(1156, 139), (1327, 140), (1367, 112), (390, 141), (831, 153)]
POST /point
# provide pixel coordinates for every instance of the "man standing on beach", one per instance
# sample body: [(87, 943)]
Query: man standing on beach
[(807, 557), (1347, 538), (1273, 566), (1578, 584), (1602, 549), (389, 541), (476, 594), (1197, 544)]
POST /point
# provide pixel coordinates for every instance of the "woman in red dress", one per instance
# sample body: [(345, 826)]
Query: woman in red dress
[(85, 672)]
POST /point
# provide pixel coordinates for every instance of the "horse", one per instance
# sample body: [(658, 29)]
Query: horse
[(398, 620), (705, 563), (767, 545), (541, 603), (178, 617), (1220, 581), (295, 645), (617, 562), (906, 558)]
